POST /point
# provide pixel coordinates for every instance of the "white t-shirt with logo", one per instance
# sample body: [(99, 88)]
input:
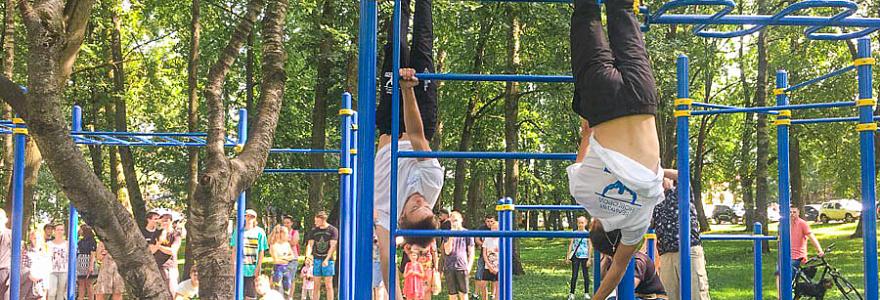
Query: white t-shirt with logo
[(620, 192), (413, 176)]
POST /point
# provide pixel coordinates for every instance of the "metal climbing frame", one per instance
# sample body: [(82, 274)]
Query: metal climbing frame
[(866, 127), (348, 153)]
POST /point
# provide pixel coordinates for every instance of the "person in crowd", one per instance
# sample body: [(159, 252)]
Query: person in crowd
[(646, 281), (255, 244), (167, 247), (800, 232), (189, 289), (430, 261), (665, 224), (308, 279), (490, 255), (151, 232), (293, 265), (86, 251), (265, 291), (579, 255), (109, 281), (444, 217), (282, 254), (481, 283), (5, 255), (49, 232), (414, 278), (459, 252), (379, 292), (36, 267), (59, 249), (321, 248)]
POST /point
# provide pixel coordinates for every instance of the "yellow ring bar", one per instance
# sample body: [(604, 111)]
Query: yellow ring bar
[(20, 130), (17, 121), (636, 5), (503, 207), (777, 92), (238, 148), (779, 122), (651, 236), (864, 61), (346, 112), (681, 113), (785, 113), (866, 127), (353, 151), (683, 101), (345, 171), (866, 102), (354, 127)]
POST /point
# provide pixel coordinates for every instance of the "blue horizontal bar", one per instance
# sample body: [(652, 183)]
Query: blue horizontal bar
[(773, 108), (293, 171), (736, 237), (829, 120), (789, 20), (549, 207), (487, 155), (492, 233), (820, 78), (157, 134), (494, 77), (719, 106), (304, 151)]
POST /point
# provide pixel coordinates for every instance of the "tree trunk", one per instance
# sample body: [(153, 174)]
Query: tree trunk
[(324, 68), (138, 206), (192, 118), (745, 174), (697, 176), (8, 65), (475, 196), (117, 181), (511, 107), (470, 116), (763, 138)]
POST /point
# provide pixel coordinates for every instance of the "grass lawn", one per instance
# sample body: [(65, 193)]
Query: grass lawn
[(729, 264)]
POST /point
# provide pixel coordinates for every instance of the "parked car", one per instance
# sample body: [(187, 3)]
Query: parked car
[(724, 213), (811, 212), (847, 210)]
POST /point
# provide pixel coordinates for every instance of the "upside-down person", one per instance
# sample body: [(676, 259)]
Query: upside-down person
[(646, 281), (419, 180), (617, 176)]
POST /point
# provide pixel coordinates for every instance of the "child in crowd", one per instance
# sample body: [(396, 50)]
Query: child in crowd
[(109, 281), (265, 292), (414, 278), (189, 289), (282, 255), (308, 280), (36, 265)]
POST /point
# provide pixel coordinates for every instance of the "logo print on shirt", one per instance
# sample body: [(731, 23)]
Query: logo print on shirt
[(621, 190)]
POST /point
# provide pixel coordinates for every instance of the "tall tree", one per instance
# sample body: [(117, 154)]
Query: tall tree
[(511, 119), (324, 66), (762, 137), (138, 205), (745, 150), (8, 66), (224, 178), (192, 113)]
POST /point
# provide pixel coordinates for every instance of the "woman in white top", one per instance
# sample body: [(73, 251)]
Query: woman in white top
[(59, 249)]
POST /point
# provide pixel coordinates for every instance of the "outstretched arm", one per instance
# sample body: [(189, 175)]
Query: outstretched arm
[(618, 266), (585, 140), (412, 117)]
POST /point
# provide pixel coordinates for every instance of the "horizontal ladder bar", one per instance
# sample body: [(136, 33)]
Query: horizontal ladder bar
[(736, 237), (299, 171), (829, 120), (304, 151), (548, 207), (773, 108), (487, 155), (494, 77), (720, 106), (491, 233), (790, 20), (820, 78)]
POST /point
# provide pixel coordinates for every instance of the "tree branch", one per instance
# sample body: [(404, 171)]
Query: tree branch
[(76, 17), (12, 94)]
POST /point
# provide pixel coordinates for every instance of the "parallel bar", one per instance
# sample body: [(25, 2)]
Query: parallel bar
[(73, 222), (736, 237), (868, 170), (491, 233), (710, 105), (494, 77), (774, 108), (346, 212), (395, 133), (20, 142), (785, 271), (487, 155), (300, 171), (366, 139), (240, 208), (549, 207), (626, 289), (305, 151), (651, 241), (758, 263), (820, 78), (684, 176)]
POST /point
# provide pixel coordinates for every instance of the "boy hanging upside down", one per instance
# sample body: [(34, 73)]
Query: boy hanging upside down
[(419, 180), (617, 176)]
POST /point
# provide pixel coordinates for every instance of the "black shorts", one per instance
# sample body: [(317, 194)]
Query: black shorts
[(611, 80), (420, 57), (456, 281), (250, 289), (489, 276)]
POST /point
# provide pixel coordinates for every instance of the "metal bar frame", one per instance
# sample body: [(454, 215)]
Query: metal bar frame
[(684, 175), (784, 261), (866, 150)]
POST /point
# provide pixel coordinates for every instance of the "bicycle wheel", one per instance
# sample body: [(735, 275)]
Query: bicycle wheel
[(847, 289)]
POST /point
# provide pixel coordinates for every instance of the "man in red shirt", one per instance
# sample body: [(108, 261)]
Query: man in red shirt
[(800, 232)]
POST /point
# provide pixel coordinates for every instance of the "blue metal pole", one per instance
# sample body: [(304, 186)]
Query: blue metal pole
[(759, 252), (651, 239), (597, 269), (366, 145), (626, 289), (548, 207), (240, 208), (785, 271), (493, 233), (773, 108), (20, 142), (346, 223), (495, 77), (73, 222), (395, 135), (488, 155), (505, 273), (684, 176), (866, 147)]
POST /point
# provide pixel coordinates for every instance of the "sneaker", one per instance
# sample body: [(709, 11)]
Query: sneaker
[(570, 296), (587, 297)]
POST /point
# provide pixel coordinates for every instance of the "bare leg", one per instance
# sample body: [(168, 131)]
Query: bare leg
[(328, 282)]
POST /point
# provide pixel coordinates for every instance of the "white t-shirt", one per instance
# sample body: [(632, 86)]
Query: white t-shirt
[(424, 177), (186, 290), (618, 191), (59, 257)]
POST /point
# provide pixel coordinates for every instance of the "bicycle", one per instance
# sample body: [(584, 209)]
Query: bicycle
[(809, 286)]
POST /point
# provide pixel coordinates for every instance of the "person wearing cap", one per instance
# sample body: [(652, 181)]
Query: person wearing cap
[(255, 244), (321, 249), (5, 255)]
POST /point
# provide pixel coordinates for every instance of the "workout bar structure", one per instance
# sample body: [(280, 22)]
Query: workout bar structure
[(18, 129), (866, 128)]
